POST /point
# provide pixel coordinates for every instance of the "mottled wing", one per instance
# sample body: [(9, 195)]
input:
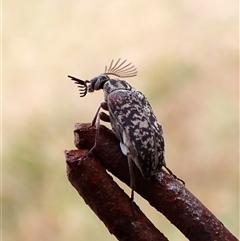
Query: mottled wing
[(136, 126)]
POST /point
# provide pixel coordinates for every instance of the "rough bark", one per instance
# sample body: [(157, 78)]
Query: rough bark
[(108, 200), (162, 191)]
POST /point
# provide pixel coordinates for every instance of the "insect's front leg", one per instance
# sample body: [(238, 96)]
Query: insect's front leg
[(104, 117), (101, 115), (96, 121)]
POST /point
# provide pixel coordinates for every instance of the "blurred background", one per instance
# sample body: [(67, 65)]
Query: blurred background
[(186, 53)]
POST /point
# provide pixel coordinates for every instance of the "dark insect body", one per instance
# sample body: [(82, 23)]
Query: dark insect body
[(131, 117)]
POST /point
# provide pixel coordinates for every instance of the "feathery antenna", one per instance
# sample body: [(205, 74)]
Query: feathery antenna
[(82, 84), (120, 69)]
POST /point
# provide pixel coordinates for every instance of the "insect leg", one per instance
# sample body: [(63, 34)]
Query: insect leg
[(96, 121), (172, 174), (104, 106), (104, 117), (132, 179)]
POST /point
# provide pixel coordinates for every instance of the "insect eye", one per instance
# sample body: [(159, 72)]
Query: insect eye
[(98, 82)]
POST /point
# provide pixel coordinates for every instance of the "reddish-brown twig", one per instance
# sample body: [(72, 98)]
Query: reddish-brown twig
[(163, 192)]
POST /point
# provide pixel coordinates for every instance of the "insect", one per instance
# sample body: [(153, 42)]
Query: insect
[(131, 117)]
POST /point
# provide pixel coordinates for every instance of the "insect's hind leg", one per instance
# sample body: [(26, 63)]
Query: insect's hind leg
[(172, 174)]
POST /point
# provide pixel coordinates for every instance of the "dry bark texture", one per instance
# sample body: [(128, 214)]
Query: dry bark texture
[(87, 173)]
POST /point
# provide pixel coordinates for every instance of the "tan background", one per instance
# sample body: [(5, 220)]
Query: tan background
[(186, 53)]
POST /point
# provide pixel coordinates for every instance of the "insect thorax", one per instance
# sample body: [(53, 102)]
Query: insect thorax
[(115, 84)]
